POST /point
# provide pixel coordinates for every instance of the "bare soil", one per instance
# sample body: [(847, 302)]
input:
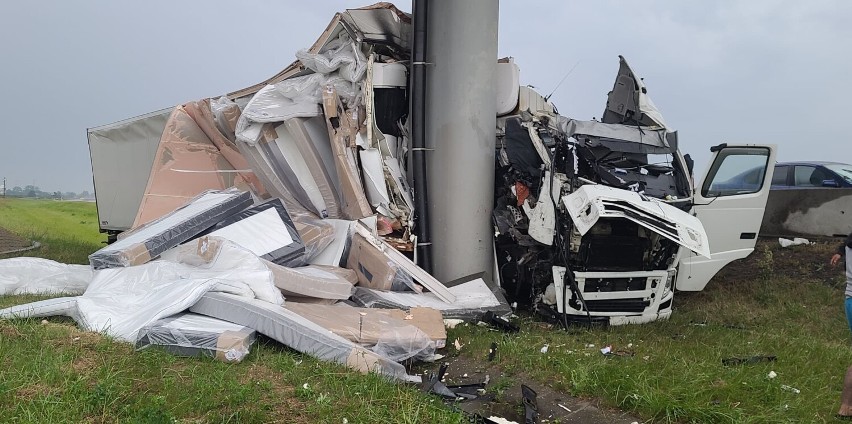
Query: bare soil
[(10, 242)]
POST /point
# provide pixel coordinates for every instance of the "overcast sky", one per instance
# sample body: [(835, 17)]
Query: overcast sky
[(753, 71)]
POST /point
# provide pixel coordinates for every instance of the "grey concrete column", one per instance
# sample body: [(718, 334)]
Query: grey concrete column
[(460, 128)]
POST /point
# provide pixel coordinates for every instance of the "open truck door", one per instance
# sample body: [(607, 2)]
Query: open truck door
[(729, 203)]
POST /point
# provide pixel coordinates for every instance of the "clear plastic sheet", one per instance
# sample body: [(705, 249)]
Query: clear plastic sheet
[(42, 276), (198, 335), (374, 269), (298, 333), (385, 334), (225, 115), (150, 240), (316, 233), (120, 301), (473, 299), (223, 260), (339, 55)]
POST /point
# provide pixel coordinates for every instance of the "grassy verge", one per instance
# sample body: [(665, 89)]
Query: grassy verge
[(67, 231), (781, 302)]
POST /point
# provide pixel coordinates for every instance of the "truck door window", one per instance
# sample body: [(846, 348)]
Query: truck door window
[(736, 170)]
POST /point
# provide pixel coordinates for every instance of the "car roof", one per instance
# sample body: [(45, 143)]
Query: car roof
[(814, 163)]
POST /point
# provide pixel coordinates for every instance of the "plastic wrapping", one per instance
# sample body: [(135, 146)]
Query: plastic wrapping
[(316, 233), (323, 282), (192, 156), (198, 335), (150, 240), (336, 252), (120, 301), (225, 115), (473, 299), (42, 276), (374, 269), (267, 231), (223, 260), (297, 332), (339, 55), (388, 335)]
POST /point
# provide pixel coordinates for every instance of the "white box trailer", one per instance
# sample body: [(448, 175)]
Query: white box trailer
[(122, 154)]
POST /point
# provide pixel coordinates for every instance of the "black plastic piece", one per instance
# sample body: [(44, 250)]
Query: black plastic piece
[(750, 360), (718, 147), (530, 404), (492, 352), (499, 322)]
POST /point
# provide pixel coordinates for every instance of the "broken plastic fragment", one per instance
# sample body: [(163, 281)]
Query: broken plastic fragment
[(544, 348), (790, 389)]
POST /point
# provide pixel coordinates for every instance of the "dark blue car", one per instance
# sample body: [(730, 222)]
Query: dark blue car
[(811, 174)]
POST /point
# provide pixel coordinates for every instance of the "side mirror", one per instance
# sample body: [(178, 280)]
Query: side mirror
[(830, 183)]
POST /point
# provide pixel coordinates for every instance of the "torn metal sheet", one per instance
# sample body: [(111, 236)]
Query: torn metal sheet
[(624, 138), (629, 103), (590, 203)]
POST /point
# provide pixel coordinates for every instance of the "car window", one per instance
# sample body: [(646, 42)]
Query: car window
[(845, 171), (780, 175), (802, 176), (735, 171)]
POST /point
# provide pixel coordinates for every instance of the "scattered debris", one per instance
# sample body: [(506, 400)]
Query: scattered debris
[(771, 375), (790, 389), (492, 351), (530, 404), (750, 360), (544, 348), (795, 242), (500, 322)]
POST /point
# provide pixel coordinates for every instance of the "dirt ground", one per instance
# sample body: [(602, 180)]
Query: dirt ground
[(552, 405), (10, 242)]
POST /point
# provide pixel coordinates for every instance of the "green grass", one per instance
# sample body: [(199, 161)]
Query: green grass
[(782, 302), (675, 373), (67, 231)]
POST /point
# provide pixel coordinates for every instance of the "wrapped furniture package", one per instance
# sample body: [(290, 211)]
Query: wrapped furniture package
[(150, 240), (197, 335), (42, 276), (267, 231), (297, 332), (473, 299), (409, 332), (314, 281)]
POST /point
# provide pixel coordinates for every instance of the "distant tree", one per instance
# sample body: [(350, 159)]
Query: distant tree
[(85, 194), (17, 189), (69, 195)]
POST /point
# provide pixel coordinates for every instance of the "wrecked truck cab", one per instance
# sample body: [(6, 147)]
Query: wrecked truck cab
[(600, 222)]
